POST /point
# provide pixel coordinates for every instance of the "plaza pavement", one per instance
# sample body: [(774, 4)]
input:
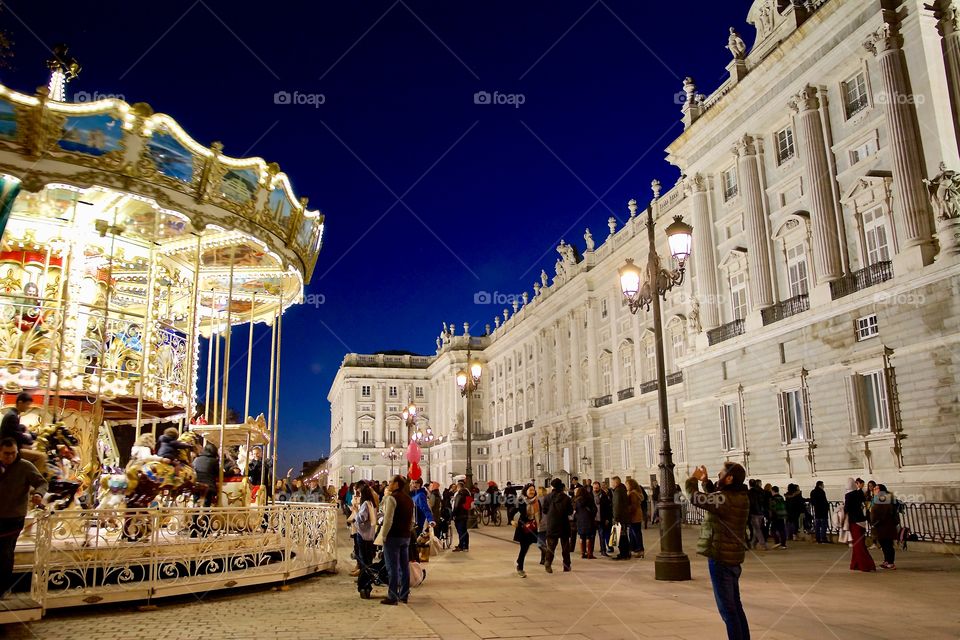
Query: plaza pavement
[(804, 592)]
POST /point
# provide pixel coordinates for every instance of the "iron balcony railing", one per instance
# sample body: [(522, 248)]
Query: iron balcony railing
[(674, 378), (927, 521), (528, 424), (789, 307), (648, 386), (725, 332), (858, 280), (623, 394), (603, 400)]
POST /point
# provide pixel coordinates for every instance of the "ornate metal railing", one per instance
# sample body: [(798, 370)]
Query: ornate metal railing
[(603, 401), (89, 556), (858, 280), (675, 377), (648, 386), (623, 394), (928, 521), (528, 424), (725, 332), (789, 307)]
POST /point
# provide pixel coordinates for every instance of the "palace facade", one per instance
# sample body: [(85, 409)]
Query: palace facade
[(816, 334)]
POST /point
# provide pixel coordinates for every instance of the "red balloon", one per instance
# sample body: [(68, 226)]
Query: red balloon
[(415, 473)]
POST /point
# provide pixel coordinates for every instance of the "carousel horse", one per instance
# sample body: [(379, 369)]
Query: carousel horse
[(147, 478), (63, 482)]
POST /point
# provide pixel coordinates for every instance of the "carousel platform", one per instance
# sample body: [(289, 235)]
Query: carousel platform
[(75, 558), (19, 608)]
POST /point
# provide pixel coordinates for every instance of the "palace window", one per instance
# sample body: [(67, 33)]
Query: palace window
[(365, 391), (793, 416), (418, 392), (603, 308), (863, 151), (606, 374), (680, 445), (626, 362), (625, 461), (365, 457), (651, 450), (871, 402), (393, 392), (729, 180), (855, 98), (605, 454), (797, 270), (729, 426), (785, 146), (867, 327), (393, 437), (738, 295), (365, 436), (876, 236)]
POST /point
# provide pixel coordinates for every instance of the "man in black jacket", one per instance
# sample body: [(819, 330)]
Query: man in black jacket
[(557, 509), (603, 517), (821, 511), (621, 515), (758, 512)]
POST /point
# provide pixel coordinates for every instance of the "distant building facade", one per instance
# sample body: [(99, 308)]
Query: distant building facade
[(817, 334)]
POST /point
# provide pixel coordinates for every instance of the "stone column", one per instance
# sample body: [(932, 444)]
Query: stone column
[(592, 328), (574, 321), (704, 253), (948, 25), (913, 215), (813, 151), (379, 425), (348, 412), (758, 254)]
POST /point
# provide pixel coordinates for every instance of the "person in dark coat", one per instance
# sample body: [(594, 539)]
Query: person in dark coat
[(169, 445), (758, 514), (11, 427), (527, 511), (885, 521), (207, 467), (796, 508), (256, 468), (855, 519), (557, 508), (723, 538), (621, 516), (821, 512), (584, 517), (603, 517)]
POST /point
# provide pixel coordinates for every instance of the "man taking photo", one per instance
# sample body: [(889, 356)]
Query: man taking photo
[(723, 538), (17, 479)]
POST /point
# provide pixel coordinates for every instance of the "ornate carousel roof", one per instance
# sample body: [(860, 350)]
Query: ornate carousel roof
[(137, 174)]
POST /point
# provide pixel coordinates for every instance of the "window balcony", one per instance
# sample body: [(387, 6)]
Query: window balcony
[(528, 424), (648, 386), (623, 394), (674, 378), (725, 332), (603, 400), (867, 277), (789, 307)]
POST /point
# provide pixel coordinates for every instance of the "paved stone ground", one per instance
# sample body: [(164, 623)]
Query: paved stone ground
[(804, 592)]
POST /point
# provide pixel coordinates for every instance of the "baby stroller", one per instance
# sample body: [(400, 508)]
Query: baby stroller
[(373, 575), (443, 530)]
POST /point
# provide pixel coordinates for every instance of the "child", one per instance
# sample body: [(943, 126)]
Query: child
[(168, 446)]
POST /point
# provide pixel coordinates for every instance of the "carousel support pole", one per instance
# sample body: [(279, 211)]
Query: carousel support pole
[(276, 398), (64, 304), (189, 366), (216, 371), (246, 399), (226, 372), (146, 336), (266, 447), (206, 398), (43, 299)]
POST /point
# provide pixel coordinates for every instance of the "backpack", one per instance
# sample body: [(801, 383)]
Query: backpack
[(779, 506)]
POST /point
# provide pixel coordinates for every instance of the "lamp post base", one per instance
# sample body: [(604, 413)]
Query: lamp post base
[(672, 566)]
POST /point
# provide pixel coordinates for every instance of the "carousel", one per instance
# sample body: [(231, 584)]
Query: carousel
[(126, 244)]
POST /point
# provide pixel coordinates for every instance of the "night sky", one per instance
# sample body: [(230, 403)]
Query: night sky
[(429, 197)]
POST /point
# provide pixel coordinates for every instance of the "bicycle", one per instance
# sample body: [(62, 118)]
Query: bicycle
[(491, 515)]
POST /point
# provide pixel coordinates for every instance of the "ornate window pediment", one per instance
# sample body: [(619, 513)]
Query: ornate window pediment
[(735, 260)]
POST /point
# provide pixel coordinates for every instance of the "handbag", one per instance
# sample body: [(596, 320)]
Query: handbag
[(615, 535), (530, 526)]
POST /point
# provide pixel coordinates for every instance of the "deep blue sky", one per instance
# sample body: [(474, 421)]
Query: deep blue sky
[(492, 188)]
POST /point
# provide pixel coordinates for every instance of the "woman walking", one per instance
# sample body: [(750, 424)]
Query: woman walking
[(527, 524), (636, 517), (584, 516), (365, 522), (860, 559), (884, 521)]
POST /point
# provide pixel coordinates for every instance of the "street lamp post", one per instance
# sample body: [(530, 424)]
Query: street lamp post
[(352, 469), (468, 380), (671, 563), (410, 419), (393, 455)]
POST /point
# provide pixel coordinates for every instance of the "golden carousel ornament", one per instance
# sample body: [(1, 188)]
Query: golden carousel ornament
[(125, 244)]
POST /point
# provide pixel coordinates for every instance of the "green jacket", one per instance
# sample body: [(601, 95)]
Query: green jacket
[(723, 532), (778, 506)]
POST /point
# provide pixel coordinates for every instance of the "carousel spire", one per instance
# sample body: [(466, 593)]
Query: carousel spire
[(63, 68)]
